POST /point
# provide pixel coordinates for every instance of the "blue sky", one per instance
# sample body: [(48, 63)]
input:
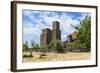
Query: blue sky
[(34, 21)]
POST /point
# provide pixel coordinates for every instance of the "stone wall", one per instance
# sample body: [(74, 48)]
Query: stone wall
[(48, 35)]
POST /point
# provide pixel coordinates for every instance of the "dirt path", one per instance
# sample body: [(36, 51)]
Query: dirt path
[(58, 57)]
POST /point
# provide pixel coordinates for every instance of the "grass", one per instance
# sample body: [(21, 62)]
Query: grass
[(56, 56)]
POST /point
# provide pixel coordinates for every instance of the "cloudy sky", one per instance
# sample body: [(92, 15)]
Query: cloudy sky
[(34, 21)]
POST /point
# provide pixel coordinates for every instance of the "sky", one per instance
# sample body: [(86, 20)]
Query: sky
[(34, 21)]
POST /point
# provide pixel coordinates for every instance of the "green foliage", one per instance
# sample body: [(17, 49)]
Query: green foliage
[(76, 44), (35, 46), (25, 46), (59, 47), (74, 35), (84, 33), (56, 45), (26, 55)]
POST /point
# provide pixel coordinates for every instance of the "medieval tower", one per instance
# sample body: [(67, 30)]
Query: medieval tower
[(45, 37), (56, 33), (48, 35)]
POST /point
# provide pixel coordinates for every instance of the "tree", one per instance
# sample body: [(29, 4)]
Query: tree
[(84, 33), (25, 46), (59, 47), (76, 45), (35, 46), (56, 45)]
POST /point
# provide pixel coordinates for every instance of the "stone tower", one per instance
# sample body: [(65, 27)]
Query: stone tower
[(45, 37), (48, 35), (56, 32)]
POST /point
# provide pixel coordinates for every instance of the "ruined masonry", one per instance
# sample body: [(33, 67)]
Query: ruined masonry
[(48, 35)]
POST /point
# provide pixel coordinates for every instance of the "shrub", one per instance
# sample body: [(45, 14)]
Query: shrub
[(57, 46), (26, 55), (76, 45)]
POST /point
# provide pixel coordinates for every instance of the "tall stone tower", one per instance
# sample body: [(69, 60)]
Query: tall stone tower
[(56, 32), (45, 37), (48, 35)]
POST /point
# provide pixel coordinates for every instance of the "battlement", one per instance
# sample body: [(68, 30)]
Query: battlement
[(56, 25), (46, 30)]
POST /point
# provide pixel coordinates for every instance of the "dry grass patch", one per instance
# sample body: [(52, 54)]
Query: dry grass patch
[(57, 57)]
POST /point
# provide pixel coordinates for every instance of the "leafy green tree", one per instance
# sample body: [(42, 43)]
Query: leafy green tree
[(59, 47), (76, 45), (25, 46), (84, 33)]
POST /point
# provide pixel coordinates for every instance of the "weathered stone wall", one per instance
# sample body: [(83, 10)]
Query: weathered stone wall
[(48, 35), (56, 33), (45, 37)]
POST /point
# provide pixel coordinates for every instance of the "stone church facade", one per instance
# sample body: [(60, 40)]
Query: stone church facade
[(48, 35)]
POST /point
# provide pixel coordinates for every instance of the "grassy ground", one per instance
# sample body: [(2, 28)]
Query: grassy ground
[(57, 56)]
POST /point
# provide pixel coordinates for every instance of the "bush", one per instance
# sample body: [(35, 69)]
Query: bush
[(57, 46), (30, 55), (76, 46), (26, 55)]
